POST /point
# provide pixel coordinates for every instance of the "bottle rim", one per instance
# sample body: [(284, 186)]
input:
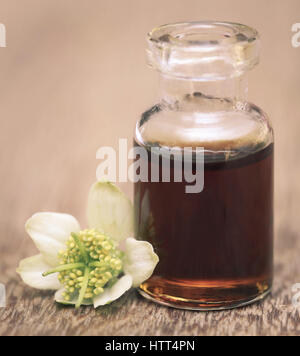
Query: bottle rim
[(205, 50)]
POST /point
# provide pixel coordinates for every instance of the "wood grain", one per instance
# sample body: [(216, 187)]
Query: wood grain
[(65, 92), (31, 312)]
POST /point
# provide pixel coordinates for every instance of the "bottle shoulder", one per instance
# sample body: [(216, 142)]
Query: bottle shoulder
[(222, 127)]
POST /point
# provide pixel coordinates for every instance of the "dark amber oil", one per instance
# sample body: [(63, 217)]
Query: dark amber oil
[(215, 247)]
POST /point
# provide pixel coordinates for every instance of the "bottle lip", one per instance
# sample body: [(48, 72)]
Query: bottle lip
[(206, 50)]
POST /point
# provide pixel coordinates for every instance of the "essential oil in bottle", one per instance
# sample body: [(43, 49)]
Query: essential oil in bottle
[(215, 246)]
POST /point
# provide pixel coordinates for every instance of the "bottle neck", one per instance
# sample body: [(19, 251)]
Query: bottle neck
[(232, 91)]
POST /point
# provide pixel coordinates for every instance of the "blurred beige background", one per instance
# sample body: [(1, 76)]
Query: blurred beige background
[(74, 77)]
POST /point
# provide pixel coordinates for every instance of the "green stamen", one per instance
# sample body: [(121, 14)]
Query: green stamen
[(83, 288), (81, 248), (95, 264), (64, 268), (90, 263)]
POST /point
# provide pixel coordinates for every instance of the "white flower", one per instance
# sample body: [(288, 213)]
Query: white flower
[(87, 267)]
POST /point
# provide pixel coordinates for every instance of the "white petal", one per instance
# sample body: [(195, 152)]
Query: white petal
[(115, 292), (140, 260), (50, 231), (31, 270), (110, 211), (60, 299)]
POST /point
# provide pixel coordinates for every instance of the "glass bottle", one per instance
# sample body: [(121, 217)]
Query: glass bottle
[(216, 244)]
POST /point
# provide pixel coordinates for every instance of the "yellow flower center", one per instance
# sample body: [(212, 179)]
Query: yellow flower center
[(90, 263)]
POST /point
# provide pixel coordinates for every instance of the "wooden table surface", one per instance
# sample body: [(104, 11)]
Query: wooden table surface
[(31, 312), (64, 93)]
